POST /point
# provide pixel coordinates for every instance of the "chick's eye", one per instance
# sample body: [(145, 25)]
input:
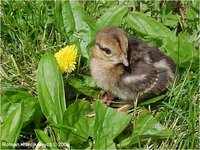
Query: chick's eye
[(106, 50)]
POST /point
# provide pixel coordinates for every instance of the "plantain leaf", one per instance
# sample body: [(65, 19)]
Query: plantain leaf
[(11, 98), (11, 127), (182, 52), (79, 27), (47, 141), (109, 123), (84, 85), (83, 129), (112, 16), (147, 25), (67, 16), (74, 113), (145, 127), (50, 89)]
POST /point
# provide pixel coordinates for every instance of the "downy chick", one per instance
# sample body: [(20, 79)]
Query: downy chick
[(128, 68)]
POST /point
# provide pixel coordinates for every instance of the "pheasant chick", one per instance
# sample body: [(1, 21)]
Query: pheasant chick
[(128, 68)]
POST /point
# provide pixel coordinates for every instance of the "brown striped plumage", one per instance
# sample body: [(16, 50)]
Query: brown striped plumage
[(129, 67)]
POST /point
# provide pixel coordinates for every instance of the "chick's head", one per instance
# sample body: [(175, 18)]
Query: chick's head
[(111, 45)]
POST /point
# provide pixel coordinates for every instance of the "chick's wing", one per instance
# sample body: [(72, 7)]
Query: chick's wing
[(139, 77)]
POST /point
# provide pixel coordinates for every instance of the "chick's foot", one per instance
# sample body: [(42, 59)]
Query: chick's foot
[(107, 98)]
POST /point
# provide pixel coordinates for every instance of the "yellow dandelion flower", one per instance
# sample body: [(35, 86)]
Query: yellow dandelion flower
[(66, 58)]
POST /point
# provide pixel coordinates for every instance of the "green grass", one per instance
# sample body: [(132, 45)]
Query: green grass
[(29, 29)]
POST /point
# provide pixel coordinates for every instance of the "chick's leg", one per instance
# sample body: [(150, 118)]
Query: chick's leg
[(107, 98)]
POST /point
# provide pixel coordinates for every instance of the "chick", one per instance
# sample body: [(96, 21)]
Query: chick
[(128, 68)]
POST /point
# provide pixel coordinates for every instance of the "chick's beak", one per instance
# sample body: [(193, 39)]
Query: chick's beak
[(124, 60)]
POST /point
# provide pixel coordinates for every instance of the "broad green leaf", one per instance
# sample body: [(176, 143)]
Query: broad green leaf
[(74, 113), (145, 127), (88, 81), (84, 128), (82, 21), (50, 89), (11, 98), (147, 25), (182, 52), (77, 126), (168, 17), (109, 123), (171, 20), (47, 141), (84, 85), (112, 16), (79, 133), (11, 126), (78, 25), (67, 17)]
